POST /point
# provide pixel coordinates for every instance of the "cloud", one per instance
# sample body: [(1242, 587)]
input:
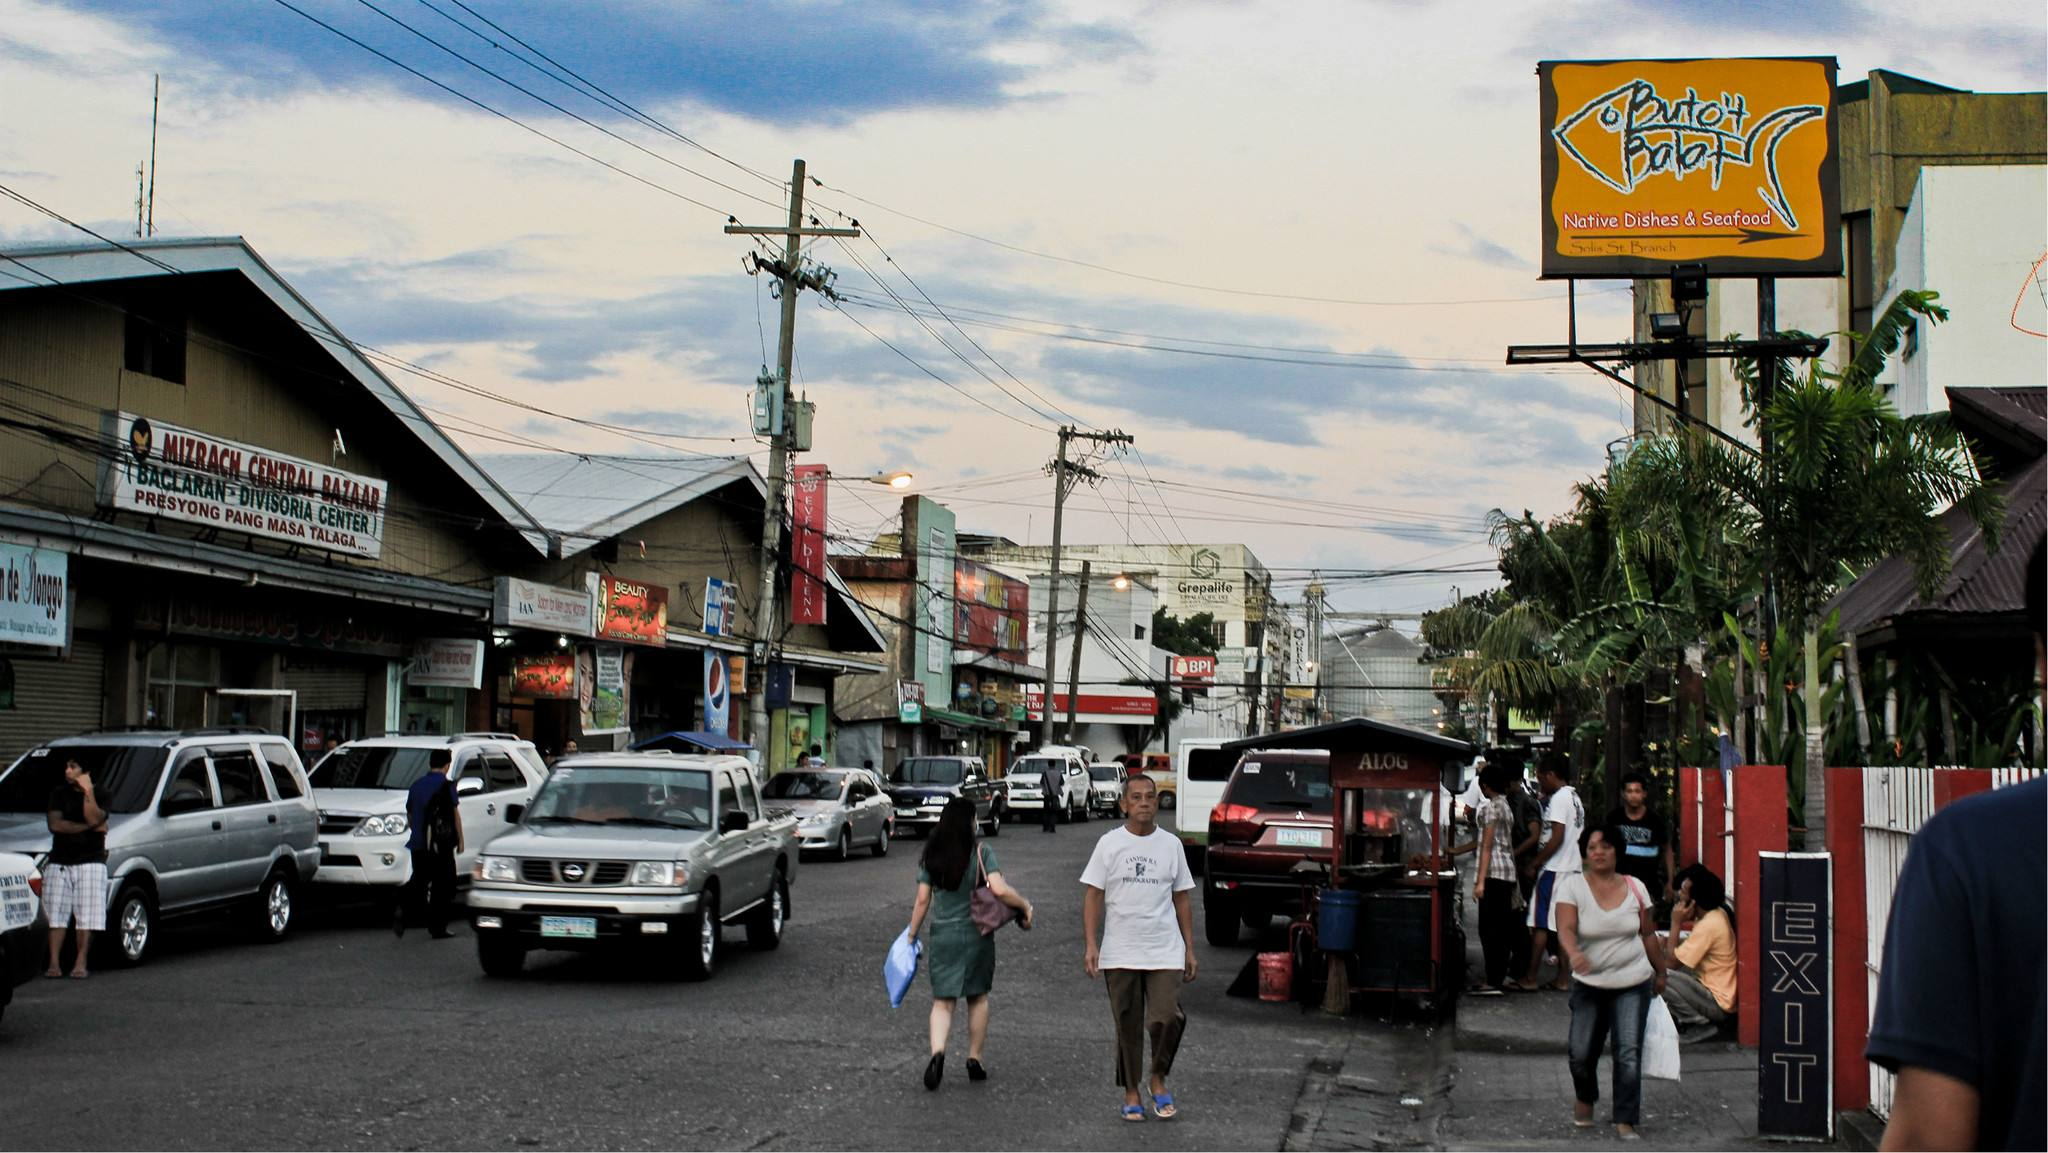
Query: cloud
[(1479, 248), (771, 60)]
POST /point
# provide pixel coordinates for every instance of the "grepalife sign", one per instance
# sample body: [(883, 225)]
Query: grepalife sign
[(1726, 163), (160, 469)]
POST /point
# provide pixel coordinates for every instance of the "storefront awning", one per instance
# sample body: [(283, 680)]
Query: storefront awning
[(830, 662), (938, 716)]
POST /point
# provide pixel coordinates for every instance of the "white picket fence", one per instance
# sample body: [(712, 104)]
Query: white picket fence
[(1896, 803)]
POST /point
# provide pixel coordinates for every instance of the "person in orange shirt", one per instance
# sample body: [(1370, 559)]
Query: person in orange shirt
[(1701, 989)]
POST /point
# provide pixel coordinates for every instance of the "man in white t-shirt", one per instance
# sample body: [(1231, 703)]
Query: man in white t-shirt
[(1144, 946), (1564, 821)]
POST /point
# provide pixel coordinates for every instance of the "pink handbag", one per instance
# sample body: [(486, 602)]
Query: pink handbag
[(988, 910)]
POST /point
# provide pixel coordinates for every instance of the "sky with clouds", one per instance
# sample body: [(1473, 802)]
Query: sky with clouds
[(1329, 209)]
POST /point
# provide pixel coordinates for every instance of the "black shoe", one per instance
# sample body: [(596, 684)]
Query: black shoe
[(440, 934), (398, 924), (934, 1070), (975, 1072)]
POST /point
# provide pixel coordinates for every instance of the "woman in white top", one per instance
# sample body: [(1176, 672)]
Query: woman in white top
[(1607, 927)]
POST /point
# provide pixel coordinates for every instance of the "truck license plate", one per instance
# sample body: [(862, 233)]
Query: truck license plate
[(906, 812), (1311, 838), (580, 927)]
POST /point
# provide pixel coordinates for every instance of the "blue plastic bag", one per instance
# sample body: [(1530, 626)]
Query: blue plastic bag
[(899, 969)]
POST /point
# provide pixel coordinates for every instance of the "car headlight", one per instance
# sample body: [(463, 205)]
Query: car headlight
[(496, 869), (659, 873), (383, 826)]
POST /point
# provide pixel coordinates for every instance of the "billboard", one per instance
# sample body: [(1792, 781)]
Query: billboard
[(630, 610), (35, 596), (992, 612), (1726, 163), (807, 546)]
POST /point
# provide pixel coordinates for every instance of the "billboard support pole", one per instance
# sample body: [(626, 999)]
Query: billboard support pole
[(1766, 392)]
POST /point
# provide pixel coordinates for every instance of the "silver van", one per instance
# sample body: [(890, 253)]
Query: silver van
[(198, 820)]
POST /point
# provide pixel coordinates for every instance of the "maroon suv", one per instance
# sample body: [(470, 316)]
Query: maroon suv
[(1275, 813)]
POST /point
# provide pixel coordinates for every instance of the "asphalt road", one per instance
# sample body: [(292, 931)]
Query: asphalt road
[(344, 1037)]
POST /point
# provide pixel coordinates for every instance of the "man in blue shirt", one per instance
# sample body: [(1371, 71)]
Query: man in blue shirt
[(1962, 1005), (436, 824)]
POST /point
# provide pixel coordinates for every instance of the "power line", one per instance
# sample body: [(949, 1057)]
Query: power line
[(935, 376)]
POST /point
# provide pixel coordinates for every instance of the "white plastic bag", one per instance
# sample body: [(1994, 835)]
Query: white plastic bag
[(1660, 1042), (899, 968)]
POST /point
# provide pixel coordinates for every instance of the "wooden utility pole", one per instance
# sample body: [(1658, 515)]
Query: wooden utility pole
[(793, 278), (1064, 473), (1074, 666)]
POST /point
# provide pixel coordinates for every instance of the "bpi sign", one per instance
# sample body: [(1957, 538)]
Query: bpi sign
[(1795, 1076), (1194, 668)]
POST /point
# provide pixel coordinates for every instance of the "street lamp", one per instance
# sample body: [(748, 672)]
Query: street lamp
[(890, 479), (1120, 583)]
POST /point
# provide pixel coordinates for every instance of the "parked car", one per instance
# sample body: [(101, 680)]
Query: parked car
[(919, 787), (836, 809), (198, 820), (1027, 791), (625, 848), (1201, 769), (24, 934), (1275, 812), (360, 790), (1105, 789)]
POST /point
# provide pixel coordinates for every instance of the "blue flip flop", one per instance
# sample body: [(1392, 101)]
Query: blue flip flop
[(1134, 1112), (1162, 1106)]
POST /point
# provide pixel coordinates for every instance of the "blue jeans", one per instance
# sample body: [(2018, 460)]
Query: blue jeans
[(1595, 1013)]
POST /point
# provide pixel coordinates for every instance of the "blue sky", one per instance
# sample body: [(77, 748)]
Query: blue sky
[(1293, 177)]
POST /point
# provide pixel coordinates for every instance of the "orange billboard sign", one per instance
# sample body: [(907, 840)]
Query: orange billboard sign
[(1729, 163)]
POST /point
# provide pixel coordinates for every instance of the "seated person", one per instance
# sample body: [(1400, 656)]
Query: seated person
[(601, 803), (1700, 983)]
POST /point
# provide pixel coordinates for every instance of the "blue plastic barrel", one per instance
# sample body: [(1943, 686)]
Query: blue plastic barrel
[(1337, 921)]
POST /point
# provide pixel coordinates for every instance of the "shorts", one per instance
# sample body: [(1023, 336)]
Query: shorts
[(76, 892), (1542, 907)]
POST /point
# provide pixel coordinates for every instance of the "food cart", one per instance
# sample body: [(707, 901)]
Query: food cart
[(1385, 919)]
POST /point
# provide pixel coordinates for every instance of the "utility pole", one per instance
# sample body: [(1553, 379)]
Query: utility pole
[(1314, 611), (1064, 473), (156, 89), (792, 278), (1074, 666)]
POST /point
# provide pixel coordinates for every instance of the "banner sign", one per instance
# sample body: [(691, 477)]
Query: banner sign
[(1231, 664), (1795, 1073), (717, 693), (632, 611), (991, 612), (714, 607), (446, 663), (35, 596), (160, 469), (1092, 704), (1194, 668), (271, 620), (524, 604), (807, 545), (602, 674), (736, 663), (1726, 163), (910, 702), (547, 675)]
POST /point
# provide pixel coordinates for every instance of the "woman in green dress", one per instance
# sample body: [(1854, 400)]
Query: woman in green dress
[(962, 961)]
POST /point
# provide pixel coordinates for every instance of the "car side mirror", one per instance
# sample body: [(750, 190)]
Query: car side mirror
[(732, 821), (183, 799), (513, 813), (469, 786)]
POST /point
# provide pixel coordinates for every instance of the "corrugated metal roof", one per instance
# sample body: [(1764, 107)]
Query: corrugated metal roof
[(1980, 582), (587, 499)]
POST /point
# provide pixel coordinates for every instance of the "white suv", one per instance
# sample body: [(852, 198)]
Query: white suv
[(360, 790)]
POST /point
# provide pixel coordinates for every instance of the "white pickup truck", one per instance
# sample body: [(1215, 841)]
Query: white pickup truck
[(619, 849)]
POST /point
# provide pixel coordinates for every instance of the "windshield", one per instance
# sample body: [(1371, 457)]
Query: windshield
[(606, 795), (1282, 784), (1102, 772), (927, 771), (805, 786), (123, 777), (370, 767)]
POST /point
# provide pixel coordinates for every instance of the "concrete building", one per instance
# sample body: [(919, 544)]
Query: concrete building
[(1378, 673), (1892, 130)]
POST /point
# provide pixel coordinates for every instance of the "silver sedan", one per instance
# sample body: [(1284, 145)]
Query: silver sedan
[(837, 810)]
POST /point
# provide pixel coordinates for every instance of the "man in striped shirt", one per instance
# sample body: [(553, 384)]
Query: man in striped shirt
[(1496, 888)]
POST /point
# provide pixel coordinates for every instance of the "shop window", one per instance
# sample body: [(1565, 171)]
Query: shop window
[(435, 709), (155, 342), (179, 677)]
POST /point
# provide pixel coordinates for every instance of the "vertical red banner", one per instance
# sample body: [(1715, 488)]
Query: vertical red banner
[(807, 546)]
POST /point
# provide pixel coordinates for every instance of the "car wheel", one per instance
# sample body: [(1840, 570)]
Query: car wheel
[(845, 842), (273, 911), (500, 954), (881, 848), (133, 922), (1166, 800), (764, 925), (1257, 921), (700, 942), (1220, 917), (995, 821)]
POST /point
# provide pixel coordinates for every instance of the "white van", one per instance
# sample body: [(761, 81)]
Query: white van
[(1200, 768)]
